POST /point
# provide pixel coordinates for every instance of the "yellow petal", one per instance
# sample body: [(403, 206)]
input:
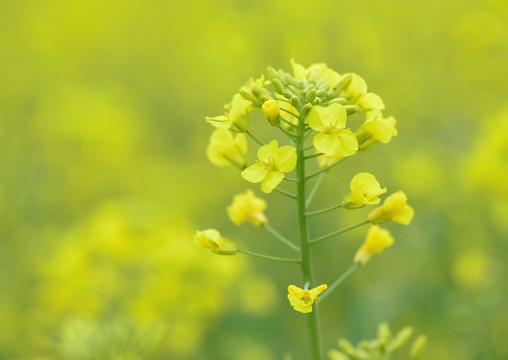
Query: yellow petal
[(348, 143), (272, 179), (317, 290), (404, 215), (220, 122), (286, 158), (327, 144), (266, 152), (255, 173), (371, 101)]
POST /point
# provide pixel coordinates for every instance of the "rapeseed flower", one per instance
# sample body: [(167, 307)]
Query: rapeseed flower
[(382, 129), (301, 300), (365, 190), (224, 149), (247, 207), (272, 164), (237, 119), (333, 138), (211, 239), (394, 208), (272, 112), (377, 240)]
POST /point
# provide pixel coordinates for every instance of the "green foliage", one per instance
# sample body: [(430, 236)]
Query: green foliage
[(383, 347)]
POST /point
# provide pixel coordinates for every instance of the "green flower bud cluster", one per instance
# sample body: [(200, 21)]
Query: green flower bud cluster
[(381, 348)]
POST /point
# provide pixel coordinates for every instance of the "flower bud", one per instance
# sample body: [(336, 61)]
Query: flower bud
[(272, 112), (340, 100), (211, 239), (351, 109), (306, 109), (311, 95), (401, 338), (394, 208), (247, 94), (258, 91), (277, 85), (418, 347), (272, 73), (294, 101)]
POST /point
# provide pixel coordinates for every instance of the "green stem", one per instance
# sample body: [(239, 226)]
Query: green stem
[(312, 213), (268, 257), (306, 265), (289, 123), (291, 179), (327, 236), (339, 280), (280, 237), (315, 188), (291, 136), (285, 193), (315, 173), (254, 138)]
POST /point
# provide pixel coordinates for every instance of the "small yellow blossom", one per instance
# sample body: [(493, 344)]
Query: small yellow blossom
[(377, 240), (357, 90), (211, 239), (247, 207), (333, 138), (237, 119), (365, 190), (324, 161), (224, 149), (302, 300), (273, 163), (394, 208), (382, 129), (272, 112)]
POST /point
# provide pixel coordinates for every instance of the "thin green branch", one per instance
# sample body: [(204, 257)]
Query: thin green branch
[(291, 136), (285, 193), (289, 123), (291, 179), (339, 280), (315, 173), (314, 189), (254, 138), (268, 257), (338, 232), (281, 99), (308, 147), (280, 237), (290, 113), (313, 156), (318, 212)]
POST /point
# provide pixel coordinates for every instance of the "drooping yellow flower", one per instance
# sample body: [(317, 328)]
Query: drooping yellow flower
[(382, 129), (272, 112), (365, 190), (211, 239), (377, 240), (273, 163), (394, 208), (324, 161), (237, 119), (224, 149), (357, 90), (333, 138), (247, 207), (302, 300)]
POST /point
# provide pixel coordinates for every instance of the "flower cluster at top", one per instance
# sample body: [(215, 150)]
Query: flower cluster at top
[(312, 105), (319, 97)]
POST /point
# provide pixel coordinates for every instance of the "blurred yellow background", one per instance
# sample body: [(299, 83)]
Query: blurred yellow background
[(104, 177)]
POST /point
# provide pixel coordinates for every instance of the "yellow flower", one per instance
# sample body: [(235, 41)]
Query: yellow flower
[(302, 300), (394, 208), (357, 90), (211, 239), (224, 149), (377, 240), (272, 112), (382, 129), (364, 191), (247, 207), (324, 161), (273, 163), (333, 138), (237, 119)]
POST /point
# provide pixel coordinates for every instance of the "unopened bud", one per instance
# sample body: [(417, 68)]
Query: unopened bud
[(294, 101), (247, 94), (343, 83), (272, 112), (258, 91), (340, 100), (311, 95), (418, 347), (306, 109), (272, 73), (277, 85), (321, 92), (401, 338), (351, 109)]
